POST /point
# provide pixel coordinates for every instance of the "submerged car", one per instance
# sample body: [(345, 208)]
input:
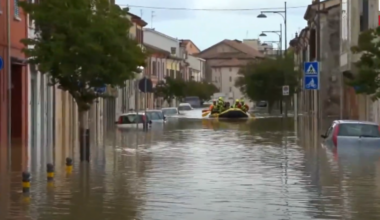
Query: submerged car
[(168, 112), (352, 134), (185, 107), (140, 120)]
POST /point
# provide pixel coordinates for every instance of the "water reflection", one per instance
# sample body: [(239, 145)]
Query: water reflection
[(206, 169)]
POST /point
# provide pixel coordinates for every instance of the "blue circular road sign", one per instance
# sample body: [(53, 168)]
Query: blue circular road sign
[(1, 63)]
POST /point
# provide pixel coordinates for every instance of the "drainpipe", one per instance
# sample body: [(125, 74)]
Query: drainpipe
[(9, 82)]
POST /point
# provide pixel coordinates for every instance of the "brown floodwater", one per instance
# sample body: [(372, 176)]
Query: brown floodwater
[(207, 170)]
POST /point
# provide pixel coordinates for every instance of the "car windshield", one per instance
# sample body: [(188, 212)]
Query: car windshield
[(184, 108), (359, 130), (169, 112), (130, 119), (154, 115)]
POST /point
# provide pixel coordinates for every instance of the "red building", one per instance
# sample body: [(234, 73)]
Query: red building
[(14, 62)]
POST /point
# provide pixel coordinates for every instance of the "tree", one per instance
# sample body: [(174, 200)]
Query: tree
[(203, 90), (263, 80), (366, 80), (82, 45), (169, 89), (178, 88)]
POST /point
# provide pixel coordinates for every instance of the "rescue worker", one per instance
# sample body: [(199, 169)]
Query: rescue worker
[(244, 107), (220, 105), (213, 107), (236, 104)]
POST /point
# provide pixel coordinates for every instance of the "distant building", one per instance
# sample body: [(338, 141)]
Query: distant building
[(223, 62)]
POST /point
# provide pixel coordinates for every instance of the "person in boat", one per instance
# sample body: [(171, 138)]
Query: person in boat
[(227, 105), (236, 104), (213, 108), (220, 105), (244, 106)]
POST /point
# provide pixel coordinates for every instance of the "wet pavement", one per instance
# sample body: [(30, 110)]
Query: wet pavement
[(191, 168)]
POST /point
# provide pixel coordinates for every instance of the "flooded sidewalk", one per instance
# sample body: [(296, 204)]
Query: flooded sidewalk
[(202, 169)]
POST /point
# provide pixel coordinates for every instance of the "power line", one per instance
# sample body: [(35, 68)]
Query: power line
[(209, 9)]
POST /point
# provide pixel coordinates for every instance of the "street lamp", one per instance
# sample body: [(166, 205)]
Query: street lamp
[(283, 15), (279, 33)]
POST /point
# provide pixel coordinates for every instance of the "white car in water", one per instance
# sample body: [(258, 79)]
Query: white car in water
[(169, 112), (140, 120), (185, 107)]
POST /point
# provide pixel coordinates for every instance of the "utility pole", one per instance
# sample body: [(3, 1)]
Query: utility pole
[(318, 100), (285, 52), (151, 19)]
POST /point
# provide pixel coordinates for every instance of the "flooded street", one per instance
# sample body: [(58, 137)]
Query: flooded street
[(207, 170)]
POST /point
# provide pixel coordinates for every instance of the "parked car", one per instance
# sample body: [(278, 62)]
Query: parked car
[(184, 107), (194, 101), (156, 116), (168, 112), (350, 133), (129, 120)]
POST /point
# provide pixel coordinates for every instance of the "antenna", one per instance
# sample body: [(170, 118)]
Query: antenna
[(151, 19), (141, 13)]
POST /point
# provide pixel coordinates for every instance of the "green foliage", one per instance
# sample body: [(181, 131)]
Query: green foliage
[(264, 80), (366, 79), (178, 88), (203, 90), (81, 48)]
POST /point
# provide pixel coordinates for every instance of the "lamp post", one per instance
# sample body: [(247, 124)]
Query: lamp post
[(140, 70), (284, 16), (279, 33)]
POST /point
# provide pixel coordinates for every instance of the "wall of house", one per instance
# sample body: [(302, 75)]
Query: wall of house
[(162, 41), (191, 48), (224, 78), (329, 74), (20, 93)]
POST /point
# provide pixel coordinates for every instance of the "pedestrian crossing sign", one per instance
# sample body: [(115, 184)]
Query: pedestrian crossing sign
[(311, 76), (311, 68)]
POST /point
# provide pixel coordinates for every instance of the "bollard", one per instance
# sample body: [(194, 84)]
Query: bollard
[(26, 182), (50, 172), (69, 165)]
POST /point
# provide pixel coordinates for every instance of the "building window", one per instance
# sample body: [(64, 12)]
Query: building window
[(154, 68), (230, 69), (230, 89), (16, 9), (172, 74), (216, 79), (167, 72), (230, 78)]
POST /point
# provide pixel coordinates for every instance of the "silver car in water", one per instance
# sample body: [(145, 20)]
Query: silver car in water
[(352, 134)]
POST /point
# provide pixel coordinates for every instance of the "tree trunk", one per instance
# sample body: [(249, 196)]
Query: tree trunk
[(84, 136)]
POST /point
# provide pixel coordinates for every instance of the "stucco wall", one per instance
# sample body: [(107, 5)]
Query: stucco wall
[(330, 70)]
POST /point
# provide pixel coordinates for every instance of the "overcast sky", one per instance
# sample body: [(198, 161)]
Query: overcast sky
[(206, 28)]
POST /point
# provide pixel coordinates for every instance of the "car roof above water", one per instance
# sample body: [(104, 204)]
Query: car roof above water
[(354, 122)]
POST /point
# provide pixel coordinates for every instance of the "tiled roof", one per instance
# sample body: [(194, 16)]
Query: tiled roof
[(245, 51)]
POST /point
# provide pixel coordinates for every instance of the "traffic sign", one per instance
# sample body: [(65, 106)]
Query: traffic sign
[(285, 90), (1, 63), (311, 76), (146, 85), (101, 90)]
